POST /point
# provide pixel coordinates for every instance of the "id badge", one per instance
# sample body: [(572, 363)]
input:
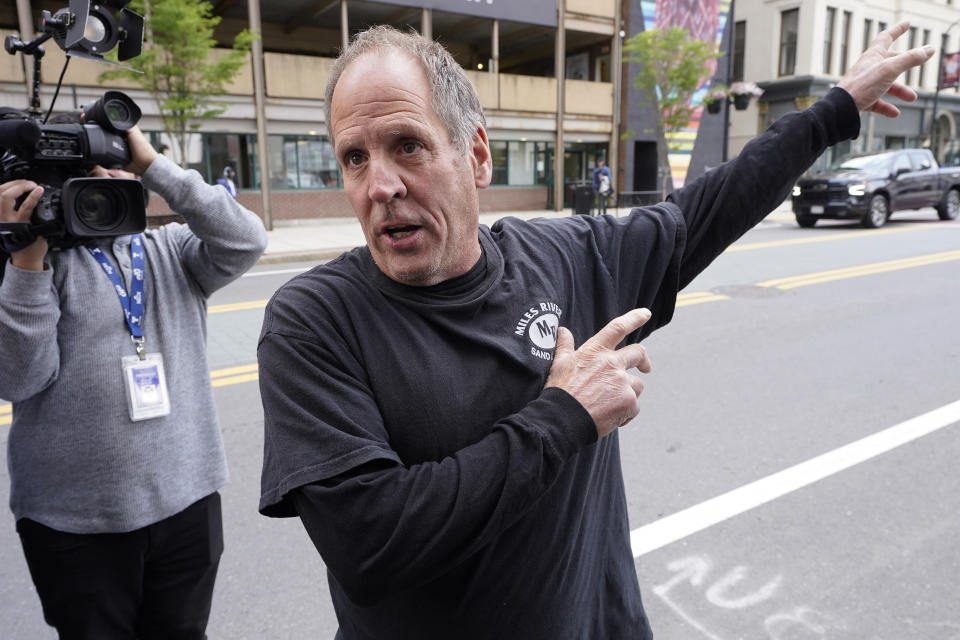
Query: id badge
[(146, 386)]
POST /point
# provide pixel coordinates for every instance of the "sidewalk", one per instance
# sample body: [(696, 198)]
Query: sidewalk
[(326, 238)]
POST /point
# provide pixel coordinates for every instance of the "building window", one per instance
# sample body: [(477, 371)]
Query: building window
[(302, 162), (944, 43), (881, 26), (739, 45), (845, 40), (911, 43), (498, 156), (867, 28), (788, 42), (926, 41), (519, 163), (828, 39), (234, 150)]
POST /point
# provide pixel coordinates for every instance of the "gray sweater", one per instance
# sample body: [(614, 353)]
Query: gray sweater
[(77, 463)]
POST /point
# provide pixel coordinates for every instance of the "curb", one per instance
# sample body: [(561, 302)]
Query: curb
[(306, 255)]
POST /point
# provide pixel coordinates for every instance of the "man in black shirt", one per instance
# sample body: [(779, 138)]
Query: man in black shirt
[(451, 452)]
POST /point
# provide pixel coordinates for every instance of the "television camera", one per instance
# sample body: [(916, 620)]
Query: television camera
[(59, 155)]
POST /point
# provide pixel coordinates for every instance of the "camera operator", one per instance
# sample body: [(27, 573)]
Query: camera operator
[(115, 453)]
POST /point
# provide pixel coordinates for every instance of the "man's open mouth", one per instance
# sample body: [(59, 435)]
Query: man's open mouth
[(400, 231)]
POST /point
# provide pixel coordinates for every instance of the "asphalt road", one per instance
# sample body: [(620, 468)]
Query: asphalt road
[(786, 478)]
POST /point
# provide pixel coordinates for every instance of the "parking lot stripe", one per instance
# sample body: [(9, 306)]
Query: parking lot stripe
[(677, 526)]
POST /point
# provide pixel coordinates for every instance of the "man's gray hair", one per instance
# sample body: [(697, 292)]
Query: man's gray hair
[(454, 97)]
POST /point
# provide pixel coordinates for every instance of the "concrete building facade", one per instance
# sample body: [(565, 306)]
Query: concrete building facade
[(550, 76), (543, 68), (797, 50)]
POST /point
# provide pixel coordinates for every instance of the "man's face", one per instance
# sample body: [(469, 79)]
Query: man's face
[(414, 193)]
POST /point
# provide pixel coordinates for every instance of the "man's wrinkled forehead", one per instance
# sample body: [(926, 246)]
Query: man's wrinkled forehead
[(365, 74)]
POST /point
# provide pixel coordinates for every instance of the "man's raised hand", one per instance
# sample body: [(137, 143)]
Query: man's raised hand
[(875, 72), (596, 373)]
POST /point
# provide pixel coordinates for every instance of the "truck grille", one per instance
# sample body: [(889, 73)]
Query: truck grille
[(823, 193)]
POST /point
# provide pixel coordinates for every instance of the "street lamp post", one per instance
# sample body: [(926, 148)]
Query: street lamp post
[(731, 33), (936, 97)]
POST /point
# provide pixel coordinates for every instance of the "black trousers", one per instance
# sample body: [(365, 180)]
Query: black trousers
[(601, 202), (152, 583)]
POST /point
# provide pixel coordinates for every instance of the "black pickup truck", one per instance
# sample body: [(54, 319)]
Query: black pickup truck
[(869, 187)]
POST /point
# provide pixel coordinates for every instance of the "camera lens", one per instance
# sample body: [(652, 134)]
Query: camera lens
[(99, 207), (116, 111)]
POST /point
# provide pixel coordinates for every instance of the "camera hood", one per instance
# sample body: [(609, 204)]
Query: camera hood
[(97, 207)]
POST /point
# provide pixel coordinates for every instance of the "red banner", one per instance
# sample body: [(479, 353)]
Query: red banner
[(951, 70)]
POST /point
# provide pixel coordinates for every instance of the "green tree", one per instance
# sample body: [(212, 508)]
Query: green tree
[(181, 70), (672, 68)]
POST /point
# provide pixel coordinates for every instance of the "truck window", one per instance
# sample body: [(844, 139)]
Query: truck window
[(921, 161), (901, 162)]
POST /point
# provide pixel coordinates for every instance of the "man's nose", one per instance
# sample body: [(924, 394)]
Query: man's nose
[(385, 182)]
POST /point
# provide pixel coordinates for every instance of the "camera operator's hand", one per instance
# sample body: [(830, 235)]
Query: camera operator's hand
[(100, 172), (29, 258), (142, 154)]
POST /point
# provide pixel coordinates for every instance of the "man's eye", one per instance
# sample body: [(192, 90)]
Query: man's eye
[(353, 159), (410, 147)]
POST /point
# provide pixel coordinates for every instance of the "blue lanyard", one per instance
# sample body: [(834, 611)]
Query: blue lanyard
[(133, 303)]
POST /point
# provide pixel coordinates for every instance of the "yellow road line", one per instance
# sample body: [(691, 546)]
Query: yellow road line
[(248, 372), (218, 377), (803, 280), (698, 297), (223, 382), (826, 238), (237, 306), (233, 371)]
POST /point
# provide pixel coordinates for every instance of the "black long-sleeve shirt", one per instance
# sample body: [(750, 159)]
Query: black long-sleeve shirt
[(448, 492)]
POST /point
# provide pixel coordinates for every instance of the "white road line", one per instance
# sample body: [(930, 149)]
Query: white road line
[(679, 525), (273, 272)]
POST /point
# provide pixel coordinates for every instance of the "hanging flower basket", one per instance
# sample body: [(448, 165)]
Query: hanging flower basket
[(742, 92), (715, 98)]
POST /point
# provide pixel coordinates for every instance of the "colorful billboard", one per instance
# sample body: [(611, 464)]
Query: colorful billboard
[(705, 20)]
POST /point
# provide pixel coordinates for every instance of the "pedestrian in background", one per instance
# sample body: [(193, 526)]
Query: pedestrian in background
[(227, 180), (602, 185), (441, 406), (115, 453)]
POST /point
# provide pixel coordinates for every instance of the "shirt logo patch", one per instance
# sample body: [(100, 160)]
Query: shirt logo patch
[(539, 323)]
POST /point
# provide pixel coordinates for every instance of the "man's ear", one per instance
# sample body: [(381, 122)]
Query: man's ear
[(481, 159)]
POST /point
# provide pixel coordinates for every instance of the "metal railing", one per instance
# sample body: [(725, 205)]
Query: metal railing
[(638, 198)]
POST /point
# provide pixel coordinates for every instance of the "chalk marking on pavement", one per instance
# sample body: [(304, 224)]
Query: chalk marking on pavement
[(681, 524)]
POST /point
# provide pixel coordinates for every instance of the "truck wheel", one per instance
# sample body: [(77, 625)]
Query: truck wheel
[(949, 209), (805, 220), (876, 216)]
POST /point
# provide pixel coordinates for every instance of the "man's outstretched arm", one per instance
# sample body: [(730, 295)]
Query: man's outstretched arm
[(724, 203)]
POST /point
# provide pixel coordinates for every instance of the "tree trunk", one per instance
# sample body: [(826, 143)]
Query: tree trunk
[(663, 162)]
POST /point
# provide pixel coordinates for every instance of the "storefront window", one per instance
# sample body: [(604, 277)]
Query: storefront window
[(520, 163), (498, 153), (302, 162), (229, 150)]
